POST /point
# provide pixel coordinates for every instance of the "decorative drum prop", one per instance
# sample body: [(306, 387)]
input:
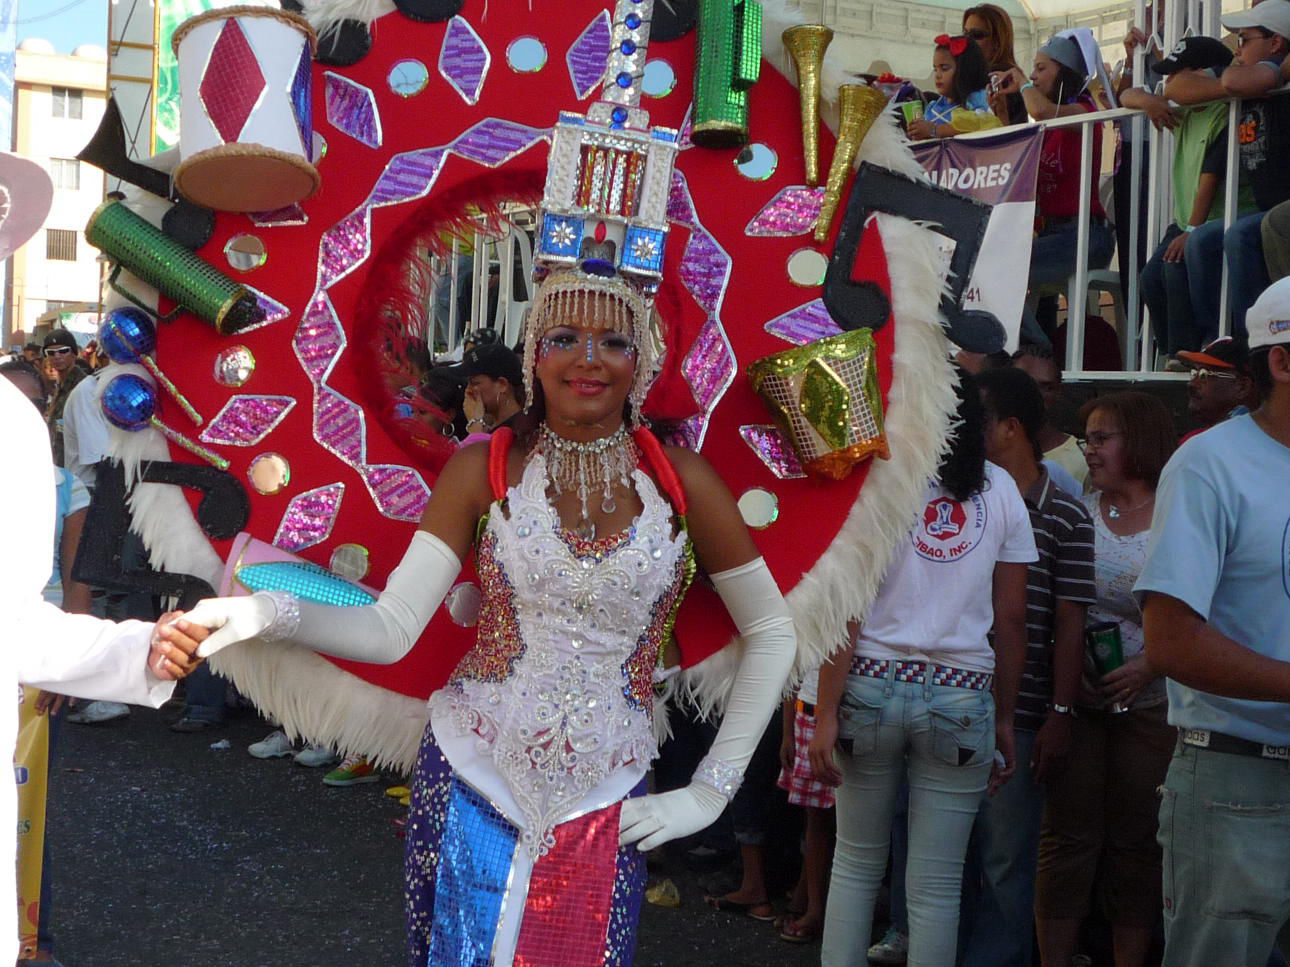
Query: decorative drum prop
[(246, 129)]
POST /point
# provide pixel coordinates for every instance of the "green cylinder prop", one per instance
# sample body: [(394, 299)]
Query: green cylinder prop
[(186, 279), (729, 64)]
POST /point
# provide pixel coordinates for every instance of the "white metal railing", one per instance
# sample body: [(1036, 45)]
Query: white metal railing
[(1136, 339)]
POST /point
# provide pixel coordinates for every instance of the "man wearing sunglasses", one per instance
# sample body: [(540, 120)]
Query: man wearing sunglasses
[(1220, 385), (61, 349)]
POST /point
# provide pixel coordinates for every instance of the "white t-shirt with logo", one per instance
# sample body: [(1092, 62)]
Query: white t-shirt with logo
[(936, 602)]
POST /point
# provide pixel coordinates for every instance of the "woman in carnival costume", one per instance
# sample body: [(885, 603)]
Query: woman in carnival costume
[(529, 821)]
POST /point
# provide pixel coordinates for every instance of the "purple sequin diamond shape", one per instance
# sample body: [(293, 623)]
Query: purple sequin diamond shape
[(709, 365), (399, 492), (705, 269), (493, 141), (246, 420), (309, 518), (351, 108), (319, 338), (274, 311), (464, 60), (791, 212), (339, 426), (773, 450), (343, 246), (804, 324), (589, 56), (407, 176)]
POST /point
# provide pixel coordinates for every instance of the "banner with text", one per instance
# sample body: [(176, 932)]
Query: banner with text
[(999, 170)]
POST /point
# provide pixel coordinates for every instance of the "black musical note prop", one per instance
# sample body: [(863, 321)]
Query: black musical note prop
[(223, 510), (858, 304)]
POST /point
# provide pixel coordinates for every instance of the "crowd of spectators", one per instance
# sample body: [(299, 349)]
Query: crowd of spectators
[(1185, 91)]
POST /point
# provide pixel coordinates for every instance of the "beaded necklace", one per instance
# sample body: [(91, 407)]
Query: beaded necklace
[(596, 465)]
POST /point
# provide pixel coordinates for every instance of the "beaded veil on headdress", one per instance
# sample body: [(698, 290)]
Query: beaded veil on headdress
[(604, 210)]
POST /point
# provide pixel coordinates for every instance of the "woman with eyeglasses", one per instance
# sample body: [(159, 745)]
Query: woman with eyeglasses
[(1098, 841), (991, 28)]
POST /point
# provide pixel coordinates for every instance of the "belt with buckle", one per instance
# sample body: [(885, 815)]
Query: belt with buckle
[(1218, 742), (916, 672)]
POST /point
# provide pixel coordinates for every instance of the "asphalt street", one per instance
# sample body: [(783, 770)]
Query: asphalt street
[(168, 853)]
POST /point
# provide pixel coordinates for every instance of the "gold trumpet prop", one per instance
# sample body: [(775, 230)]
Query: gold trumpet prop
[(806, 43), (858, 107)]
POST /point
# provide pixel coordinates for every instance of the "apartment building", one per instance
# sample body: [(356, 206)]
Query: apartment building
[(58, 102)]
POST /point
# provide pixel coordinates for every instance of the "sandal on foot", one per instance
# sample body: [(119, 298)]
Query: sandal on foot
[(794, 932), (760, 910)]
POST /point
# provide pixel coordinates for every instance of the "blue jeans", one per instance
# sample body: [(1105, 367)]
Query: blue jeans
[(206, 693), (942, 738), (1247, 275), (999, 891), (1225, 832), (1167, 296), (1052, 262)]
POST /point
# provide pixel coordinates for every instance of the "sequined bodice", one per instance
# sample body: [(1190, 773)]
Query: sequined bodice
[(557, 689)]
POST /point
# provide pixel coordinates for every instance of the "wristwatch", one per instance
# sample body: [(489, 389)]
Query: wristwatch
[(1062, 709)]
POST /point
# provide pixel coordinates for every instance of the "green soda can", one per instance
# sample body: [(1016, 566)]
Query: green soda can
[(1105, 644), (1107, 649)]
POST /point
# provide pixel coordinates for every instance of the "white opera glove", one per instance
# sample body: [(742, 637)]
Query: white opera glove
[(769, 646), (380, 633), (234, 619)]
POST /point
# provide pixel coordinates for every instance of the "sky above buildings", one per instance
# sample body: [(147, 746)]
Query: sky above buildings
[(64, 23)]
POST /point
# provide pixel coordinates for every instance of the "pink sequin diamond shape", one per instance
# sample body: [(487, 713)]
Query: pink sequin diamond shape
[(246, 420), (232, 84)]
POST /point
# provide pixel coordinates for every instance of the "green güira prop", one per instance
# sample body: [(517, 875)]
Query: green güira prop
[(192, 283), (729, 64)]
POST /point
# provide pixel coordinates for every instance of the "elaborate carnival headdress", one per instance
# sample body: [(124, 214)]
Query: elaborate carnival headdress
[(604, 211)]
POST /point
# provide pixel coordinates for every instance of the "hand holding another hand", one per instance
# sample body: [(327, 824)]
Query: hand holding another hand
[(174, 645), (230, 620)]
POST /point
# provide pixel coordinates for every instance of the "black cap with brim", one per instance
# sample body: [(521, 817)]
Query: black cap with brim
[(1196, 53), (494, 361), (61, 337)]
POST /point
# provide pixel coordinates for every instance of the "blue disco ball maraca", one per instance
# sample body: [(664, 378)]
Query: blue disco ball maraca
[(129, 401), (127, 334)]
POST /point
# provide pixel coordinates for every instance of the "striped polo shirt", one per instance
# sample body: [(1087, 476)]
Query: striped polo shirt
[(1064, 571)]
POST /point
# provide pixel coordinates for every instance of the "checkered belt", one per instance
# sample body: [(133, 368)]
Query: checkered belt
[(916, 672), (1218, 742)]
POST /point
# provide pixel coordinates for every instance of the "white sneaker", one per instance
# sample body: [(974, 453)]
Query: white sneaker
[(273, 746), (314, 755), (97, 712), (893, 948)]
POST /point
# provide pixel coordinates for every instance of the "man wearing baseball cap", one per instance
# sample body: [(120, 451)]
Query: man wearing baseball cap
[(1263, 40), (494, 387), (61, 347), (1216, 600), (1220, 386)]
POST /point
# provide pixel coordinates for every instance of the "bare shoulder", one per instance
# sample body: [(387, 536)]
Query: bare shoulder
[(695, 471), (720, 537), (459, 497)]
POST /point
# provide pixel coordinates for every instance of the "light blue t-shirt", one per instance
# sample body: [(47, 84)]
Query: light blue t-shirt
[(1220, 543)]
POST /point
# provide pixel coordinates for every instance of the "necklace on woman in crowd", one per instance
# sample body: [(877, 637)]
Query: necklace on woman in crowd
[(579, 467), (1115, 512)]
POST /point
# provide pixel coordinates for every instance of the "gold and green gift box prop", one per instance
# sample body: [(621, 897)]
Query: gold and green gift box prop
[(825, 399)]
